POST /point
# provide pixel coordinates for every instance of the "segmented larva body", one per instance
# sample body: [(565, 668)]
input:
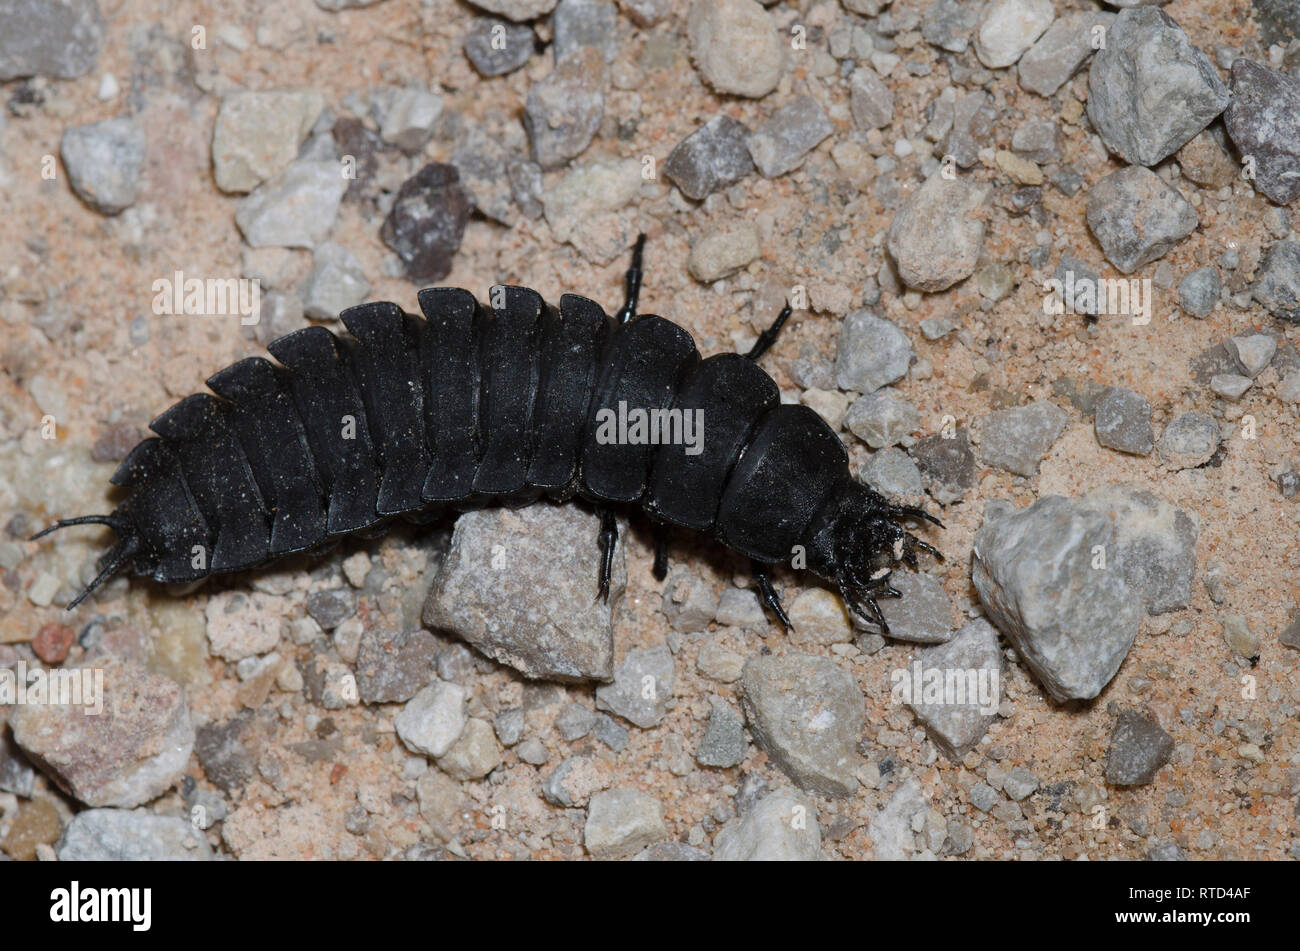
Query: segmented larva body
[(508, 403)]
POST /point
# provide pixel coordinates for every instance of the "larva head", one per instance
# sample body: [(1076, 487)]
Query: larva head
[(859, 543)]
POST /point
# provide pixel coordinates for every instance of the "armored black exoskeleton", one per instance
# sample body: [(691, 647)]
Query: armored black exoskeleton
[(508, 403)]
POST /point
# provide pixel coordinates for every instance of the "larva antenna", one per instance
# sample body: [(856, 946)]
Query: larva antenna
[(114, 560)]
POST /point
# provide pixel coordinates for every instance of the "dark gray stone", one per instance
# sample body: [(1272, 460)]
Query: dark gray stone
[(724, 743), (1137, 218), (1123, 422), (392, 666), (1263, 120), (1138, 748), (782, 143), (947, 464), (1277, 285), (1200, 290), (427, 221), (711, 158), (497, 47)]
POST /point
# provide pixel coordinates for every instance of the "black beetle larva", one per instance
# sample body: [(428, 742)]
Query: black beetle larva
[(479, 404)]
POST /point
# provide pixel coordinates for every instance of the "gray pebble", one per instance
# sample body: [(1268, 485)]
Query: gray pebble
[(922, 614), (711, 158), (392, 666), (893, 474), (1199, 291), (871, 353), (1138, 748), (1150, 90), (563, 112), (1018, 438), (1034, 573), (1137, 218), (1123, 422), (121, 835), (428, 218), (782, 143), (882, 419), (870, 100), (497, 47), (724, 743), (294, 209), (948, 24), (956, 723), (769, 831), (807, 713), (336, 283), (1061, 51), (1277, 284), (40, 38), (947, 464), (1263, 120), (642, 687), (574, 722), (104, 161), (578, 23), (1189, 441)]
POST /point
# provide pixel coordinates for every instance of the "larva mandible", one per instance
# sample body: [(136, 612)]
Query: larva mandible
[(475, 405)]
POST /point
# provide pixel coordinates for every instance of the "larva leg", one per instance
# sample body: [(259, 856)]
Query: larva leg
[(608, 539), (661, 552), (768, 336), (765, 591), (632, 282)]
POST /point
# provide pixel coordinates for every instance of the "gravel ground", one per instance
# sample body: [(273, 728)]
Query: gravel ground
[(952, 194)]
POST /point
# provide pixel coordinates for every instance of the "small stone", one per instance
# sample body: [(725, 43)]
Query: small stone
[(52, 643), (433, 719), (1290, 637), (331, 607), (1018, 438), (518, 10), (533, 752), (882, 419), (242, 625), (1277, 286), (578, 23), (509, 724), (688, 602), (717, 663), (956, 722), (1203, 161), (475, 753), (336, 283), (610, 733), (642, 687), (724, 743), (984, 797), (1137, 218), (892, 830), (60, 40), (807, 713), (893, 474), (735, 46), (739, 607), (936, 328), (497, 47), (427, 221), (870, 100), (563, 112), (1138, 748), (1019, 783), (131, 751), (104, 161), (1008, 28), (921, 614), (948, 25), (782, 143), (1072, 624), (973, 117), (1241, 640), (947, 464), (1288, 390), (819, 617), (671, 851), (356, 568), (258, 133), (1199, 291), (121, 835), (1190, 440), (538, 613), (935, 236), (781, 827), (1253, 352), (585, 208), (622, 822), (1230, 385), (871, 353), (1150, 90), (393, 666), (1123, 422), (1263, 120), (723, 250), (646, 12), (1038, 140), (711, 158), (574, 722), (1061, 51), (295, 209), (410, 118), (16, 774)]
